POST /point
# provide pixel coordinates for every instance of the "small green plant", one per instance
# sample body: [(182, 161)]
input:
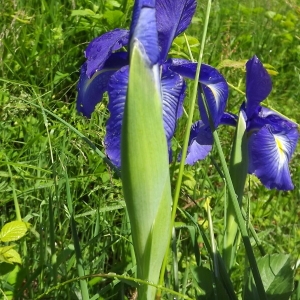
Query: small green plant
[(11, 232), (10, 259)]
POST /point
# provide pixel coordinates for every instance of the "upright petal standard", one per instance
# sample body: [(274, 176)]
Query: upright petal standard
[(273, 138)]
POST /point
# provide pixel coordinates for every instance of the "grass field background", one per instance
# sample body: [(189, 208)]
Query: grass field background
[(50, 171)]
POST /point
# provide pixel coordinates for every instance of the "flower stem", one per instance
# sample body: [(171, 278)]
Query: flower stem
[(212, 238), (113, 276), (16, 203), (239, 220), (234, 213), (186, 139)]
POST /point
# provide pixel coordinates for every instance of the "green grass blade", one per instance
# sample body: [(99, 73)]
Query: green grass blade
[(240, 221), (85, 139), (187, 134), (78, 254)]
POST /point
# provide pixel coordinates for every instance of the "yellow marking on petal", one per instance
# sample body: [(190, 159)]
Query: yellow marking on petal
[(280, 147)]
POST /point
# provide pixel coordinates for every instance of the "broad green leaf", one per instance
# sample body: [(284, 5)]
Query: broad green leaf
[(12, 276), (13, 231), (238, 169), (277, 276), (204, 283), (145, 168), (9, 255), (239, 157), (3, 250), (192, 41), (113, 16), (189, 181), (203, 280)]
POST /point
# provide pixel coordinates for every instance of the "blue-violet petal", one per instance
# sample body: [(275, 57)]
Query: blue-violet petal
[(258, 85), (200, 143), (270, 151), (213, 84), (100, 49), (173, 17), (229, 119), (173, 93), (91, 90), (117, 91), (144, 29)]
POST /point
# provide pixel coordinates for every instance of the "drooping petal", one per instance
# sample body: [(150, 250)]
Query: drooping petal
[(117, 60), (200, 143), (214, 87), (275, 118), (173, 88), (117, 90), (100, 49), (258, 85), (270, 151), (144, 28), (91, 90), (229, 119), (173, 17), (267, 116)]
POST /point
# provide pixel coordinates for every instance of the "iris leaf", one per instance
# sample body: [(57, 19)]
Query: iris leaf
[(145, 168)]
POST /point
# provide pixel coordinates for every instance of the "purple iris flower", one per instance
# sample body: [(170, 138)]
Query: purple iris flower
[(155, 24), (272, 139)]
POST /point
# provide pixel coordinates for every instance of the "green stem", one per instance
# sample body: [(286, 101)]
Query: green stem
[(213, 248), (255, 236), (186, 139), (235, 88), (16, 203), (132, 253), (234, 213), (212, 240), (121, 278), (240, 220), (189, 48), (51, 205), (230, 237), (175, 261)]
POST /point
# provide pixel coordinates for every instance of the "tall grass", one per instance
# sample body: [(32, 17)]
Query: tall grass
[(45, 166)]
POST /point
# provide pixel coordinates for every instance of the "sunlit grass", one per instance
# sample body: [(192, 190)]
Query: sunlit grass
[(41, 51)]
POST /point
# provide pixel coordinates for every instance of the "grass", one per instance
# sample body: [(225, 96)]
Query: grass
[(62, 185)]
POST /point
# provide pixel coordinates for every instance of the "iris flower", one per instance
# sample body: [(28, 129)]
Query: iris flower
[(272, 138), (155, 24)]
